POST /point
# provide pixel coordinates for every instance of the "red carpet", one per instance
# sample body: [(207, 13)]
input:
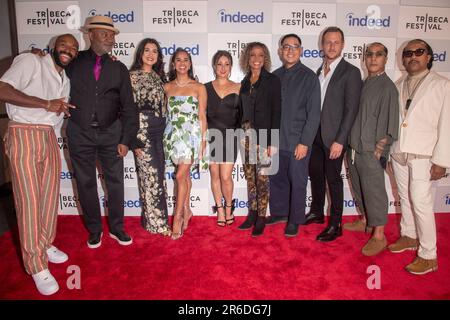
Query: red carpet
[(211, 263)]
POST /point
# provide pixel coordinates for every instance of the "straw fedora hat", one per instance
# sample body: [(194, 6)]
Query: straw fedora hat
[(99, 22)]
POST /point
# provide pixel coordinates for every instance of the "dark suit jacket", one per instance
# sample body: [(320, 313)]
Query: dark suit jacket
[(341, 104), (111, 97), (265, 100)]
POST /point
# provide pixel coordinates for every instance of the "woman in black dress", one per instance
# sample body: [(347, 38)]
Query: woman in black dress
[(147, 79), (222, 116)]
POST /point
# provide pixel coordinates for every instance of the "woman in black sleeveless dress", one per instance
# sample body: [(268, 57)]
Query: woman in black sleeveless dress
[(222, 116)]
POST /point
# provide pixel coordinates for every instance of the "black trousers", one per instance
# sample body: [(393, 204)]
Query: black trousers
[(85, 147), (288, 188), (322, 170)]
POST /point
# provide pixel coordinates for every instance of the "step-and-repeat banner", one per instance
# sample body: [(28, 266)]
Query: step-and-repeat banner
[(203, 27)]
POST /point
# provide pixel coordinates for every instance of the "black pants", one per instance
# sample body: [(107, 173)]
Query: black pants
[(321, 171), (288, 188), (85, 146)]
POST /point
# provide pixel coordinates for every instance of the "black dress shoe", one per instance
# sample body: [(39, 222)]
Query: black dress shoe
[(122, 237), (95, 240), (330, 233), (314, 218), (260, 224), (291, 230), (274, 220)]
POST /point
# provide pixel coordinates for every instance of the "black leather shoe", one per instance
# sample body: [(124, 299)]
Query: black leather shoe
[(291, 230), (260, 224), (330, 233), (95, 240), (314, 218), (122, 238), (250, 221), (274, 220)]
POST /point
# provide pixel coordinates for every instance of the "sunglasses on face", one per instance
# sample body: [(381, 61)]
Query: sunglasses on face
[(417, 53), (377, 54)]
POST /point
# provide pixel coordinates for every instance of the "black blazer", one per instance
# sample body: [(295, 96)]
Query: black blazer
[(266, 102), (111, 97), (341, 104)]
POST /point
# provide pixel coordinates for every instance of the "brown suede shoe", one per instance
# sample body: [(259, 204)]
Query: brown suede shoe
[(374, 247), (357, 225), (404, 243), (422, 266)]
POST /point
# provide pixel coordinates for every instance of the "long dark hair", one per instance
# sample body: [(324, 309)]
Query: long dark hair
[(173, 72), (158, 67)]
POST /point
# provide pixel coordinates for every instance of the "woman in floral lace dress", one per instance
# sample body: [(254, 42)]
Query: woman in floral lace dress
[(147, 79), (185, 134)]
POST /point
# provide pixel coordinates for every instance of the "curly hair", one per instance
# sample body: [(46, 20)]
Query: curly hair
[(173, 72), (245, 56), (158, 67)]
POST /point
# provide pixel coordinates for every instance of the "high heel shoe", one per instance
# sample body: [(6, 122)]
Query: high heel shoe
[(220, 223), (188, 218), (230, 221), (177, 235)]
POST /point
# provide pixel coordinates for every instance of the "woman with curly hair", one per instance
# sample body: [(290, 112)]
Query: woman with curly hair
[(260, 109)]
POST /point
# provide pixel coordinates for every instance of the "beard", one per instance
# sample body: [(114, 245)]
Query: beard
[(56, 54)]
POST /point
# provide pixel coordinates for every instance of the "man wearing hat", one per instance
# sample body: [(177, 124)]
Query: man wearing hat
[(101, 127)]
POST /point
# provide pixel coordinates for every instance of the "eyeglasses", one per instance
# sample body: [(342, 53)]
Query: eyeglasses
[(287, 47), (410, 53), (377, 54)]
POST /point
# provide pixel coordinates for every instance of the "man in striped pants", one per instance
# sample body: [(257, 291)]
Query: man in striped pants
[(35, 90)]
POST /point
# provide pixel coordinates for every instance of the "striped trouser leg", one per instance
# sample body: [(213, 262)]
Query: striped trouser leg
[(35, 168)]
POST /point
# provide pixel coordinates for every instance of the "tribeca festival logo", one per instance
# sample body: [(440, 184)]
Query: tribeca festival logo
[(176, 16), (356, 53), (239, 17), (304, 18), (116, 17), (427, 22), (372, 20), (123, 48), (170, 49), (67, 201), (70, 16), (235, 48)]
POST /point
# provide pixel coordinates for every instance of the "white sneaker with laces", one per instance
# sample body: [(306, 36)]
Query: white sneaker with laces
[(45, 282), (56, 256)]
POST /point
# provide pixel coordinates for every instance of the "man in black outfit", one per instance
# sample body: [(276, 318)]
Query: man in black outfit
[(340, 89), (103, 125)]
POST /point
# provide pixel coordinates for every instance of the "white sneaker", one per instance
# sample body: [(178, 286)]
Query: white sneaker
[(45, 282), (56, 256)]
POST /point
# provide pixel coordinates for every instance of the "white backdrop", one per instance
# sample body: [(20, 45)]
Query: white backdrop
[(202, 27)]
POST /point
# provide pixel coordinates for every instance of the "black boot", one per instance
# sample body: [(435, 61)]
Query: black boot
[(259, 227), (250, 221)]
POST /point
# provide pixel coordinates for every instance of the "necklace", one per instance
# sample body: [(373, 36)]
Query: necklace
[(411, 94), (182, 85)]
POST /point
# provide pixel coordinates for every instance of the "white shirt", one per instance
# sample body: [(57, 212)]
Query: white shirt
[(325, 80), (36, 76)]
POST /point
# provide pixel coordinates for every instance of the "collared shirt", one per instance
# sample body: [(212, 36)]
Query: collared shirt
[(300, 106), (36, 76), (325, 80)]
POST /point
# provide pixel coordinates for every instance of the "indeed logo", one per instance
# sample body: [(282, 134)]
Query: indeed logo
[(314, 53), (240, 203), (367, 21), (195, 50), (126, 203), (447, 199), (46, 49), (239, 17), (116, 17), (441, 57)]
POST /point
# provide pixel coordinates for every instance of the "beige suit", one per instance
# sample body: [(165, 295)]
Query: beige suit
[(424, 134)]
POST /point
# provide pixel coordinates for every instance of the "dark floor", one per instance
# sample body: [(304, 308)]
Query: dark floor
[(7, 215)]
